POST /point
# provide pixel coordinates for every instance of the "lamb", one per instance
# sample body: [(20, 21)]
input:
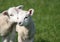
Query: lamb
[(25, 26), (5, 26), (8, 20)]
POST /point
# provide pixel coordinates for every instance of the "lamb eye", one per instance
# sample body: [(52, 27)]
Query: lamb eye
[(11, 15), (26, 17)]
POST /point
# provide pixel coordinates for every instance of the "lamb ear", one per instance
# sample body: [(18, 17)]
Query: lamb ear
[(31, 11), (5, 12), (20, 7)]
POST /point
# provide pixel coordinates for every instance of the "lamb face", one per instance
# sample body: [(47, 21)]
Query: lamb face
[(12, 13), (24, 17)]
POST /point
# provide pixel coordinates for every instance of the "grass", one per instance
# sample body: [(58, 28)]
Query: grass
[(46, 17)]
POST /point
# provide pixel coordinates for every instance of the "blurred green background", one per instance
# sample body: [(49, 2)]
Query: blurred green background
[(46, 17)]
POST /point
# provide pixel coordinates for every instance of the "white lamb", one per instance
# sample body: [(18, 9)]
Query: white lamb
[(7, 24), (25, 26)]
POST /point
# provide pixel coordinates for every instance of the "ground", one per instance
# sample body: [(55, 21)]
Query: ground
[(46, 17)]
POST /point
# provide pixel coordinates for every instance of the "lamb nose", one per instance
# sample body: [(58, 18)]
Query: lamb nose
[(19, 22)]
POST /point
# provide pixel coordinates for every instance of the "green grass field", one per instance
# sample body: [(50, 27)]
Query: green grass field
[(46, 17)]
